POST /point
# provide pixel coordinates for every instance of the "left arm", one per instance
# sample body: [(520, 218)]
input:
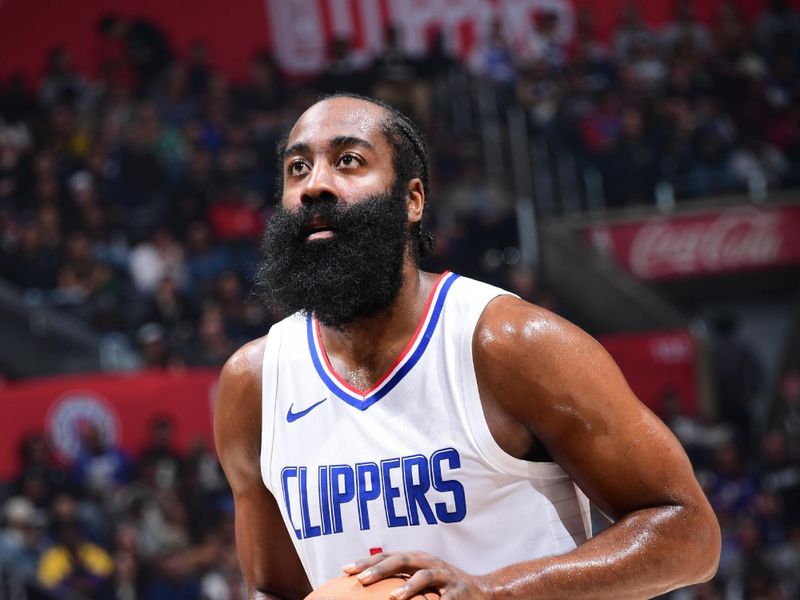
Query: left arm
[(564, 388)]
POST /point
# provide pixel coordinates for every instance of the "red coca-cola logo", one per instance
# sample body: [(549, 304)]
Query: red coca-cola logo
[(723, 243)]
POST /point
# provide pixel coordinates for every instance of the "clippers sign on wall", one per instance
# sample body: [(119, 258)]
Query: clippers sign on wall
[(713, 243), (302, 29), (299, 32)]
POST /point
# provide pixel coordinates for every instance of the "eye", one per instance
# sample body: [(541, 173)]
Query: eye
[(297, 167), (348, 161)]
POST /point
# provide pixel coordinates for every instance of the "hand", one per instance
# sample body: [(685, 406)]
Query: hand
[(426, 572)]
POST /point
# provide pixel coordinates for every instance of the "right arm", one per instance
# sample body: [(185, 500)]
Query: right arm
[(266, 554)]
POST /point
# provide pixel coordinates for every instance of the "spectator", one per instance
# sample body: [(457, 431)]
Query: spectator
[(495, 62), (344, 71), (777, 27), (212, 346), (74, 564), (685, 30), (437, 62), (198, 69), (160, 451), (155, 259), (630, 33), (631, 164), (737, 378), (34, 265), (176, 103), (146, 46), (394, 76), (16, 99), (37, 462), (790, 395), (173, 578), (540, 91), (779, 475), (100, 467), (548, 43), (128, 582), (154, 348), (236, 217), (205, 261), (61, 84), (732, 490), (22, 539)]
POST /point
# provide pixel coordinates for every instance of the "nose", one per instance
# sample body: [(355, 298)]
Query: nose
[(319, 185)]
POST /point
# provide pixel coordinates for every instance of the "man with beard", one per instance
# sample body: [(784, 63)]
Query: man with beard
[(400, 421)]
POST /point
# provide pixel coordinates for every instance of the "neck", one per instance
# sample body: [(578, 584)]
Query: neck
[(361, 351)]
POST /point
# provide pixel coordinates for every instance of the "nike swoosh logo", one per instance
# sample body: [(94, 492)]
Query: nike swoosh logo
[(293, 416)]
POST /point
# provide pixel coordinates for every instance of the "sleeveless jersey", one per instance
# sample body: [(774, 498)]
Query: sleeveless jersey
[(409, 464)]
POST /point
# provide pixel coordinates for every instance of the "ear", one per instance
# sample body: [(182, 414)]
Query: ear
[(415, 200)]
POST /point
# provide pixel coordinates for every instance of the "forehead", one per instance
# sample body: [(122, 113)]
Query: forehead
[(338, 117)]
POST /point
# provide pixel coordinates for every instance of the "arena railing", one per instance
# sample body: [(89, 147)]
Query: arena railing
[(36, 340)]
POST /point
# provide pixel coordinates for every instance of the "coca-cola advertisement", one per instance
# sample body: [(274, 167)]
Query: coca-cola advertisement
[(711, 243)]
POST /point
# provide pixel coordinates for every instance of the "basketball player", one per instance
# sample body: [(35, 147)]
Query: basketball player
[(406, 422)]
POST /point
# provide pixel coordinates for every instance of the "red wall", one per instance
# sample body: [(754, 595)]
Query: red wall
[(30, 28), (121, 406), (235, 29)]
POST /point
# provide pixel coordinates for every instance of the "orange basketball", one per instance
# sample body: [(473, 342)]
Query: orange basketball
[(348, 587)]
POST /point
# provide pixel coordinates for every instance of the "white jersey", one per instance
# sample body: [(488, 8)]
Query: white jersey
[(409, 464)]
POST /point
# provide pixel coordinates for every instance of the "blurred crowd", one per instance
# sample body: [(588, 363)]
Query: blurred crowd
[(708, 110), (749, 468), (134, 197), (110, 526)]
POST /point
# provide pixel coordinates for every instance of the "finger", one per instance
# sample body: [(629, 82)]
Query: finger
[(394, 564), (424, 579), (456, 590), (357, 566)]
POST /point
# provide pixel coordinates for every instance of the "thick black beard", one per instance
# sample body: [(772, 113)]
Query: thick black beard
[(355, 274)]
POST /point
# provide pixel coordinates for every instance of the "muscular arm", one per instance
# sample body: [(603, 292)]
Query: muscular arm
[(543, 380), (562, 386), (269, 562)]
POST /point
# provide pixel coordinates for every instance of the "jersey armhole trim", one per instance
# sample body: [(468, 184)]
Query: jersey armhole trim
[(476, 417), (269, 387)]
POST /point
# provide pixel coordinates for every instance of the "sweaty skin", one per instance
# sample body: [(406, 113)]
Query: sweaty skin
[(543, 383)]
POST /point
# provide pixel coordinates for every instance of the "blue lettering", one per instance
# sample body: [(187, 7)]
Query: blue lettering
[(365, 494), (451, 486), (285, 475), (309, 530), (416, 488), (390, 493), (418, 482), (324, 502), (341, 474)]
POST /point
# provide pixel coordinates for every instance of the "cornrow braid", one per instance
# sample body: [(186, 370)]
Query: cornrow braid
[(410, 159)]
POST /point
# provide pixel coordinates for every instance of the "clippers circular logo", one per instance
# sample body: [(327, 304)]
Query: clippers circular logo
[(74, 411)]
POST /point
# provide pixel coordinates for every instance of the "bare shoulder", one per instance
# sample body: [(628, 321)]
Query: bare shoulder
[(554, 378), (512, 332), (237, 413), (548, 373), (242, 371)]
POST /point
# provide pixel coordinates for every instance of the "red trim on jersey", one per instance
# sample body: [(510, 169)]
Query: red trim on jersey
[(400, 358)]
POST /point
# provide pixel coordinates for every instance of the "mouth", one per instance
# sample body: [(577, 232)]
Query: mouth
[(318, 229)]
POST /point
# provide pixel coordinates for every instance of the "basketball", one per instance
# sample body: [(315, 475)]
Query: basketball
[(347, 587)]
